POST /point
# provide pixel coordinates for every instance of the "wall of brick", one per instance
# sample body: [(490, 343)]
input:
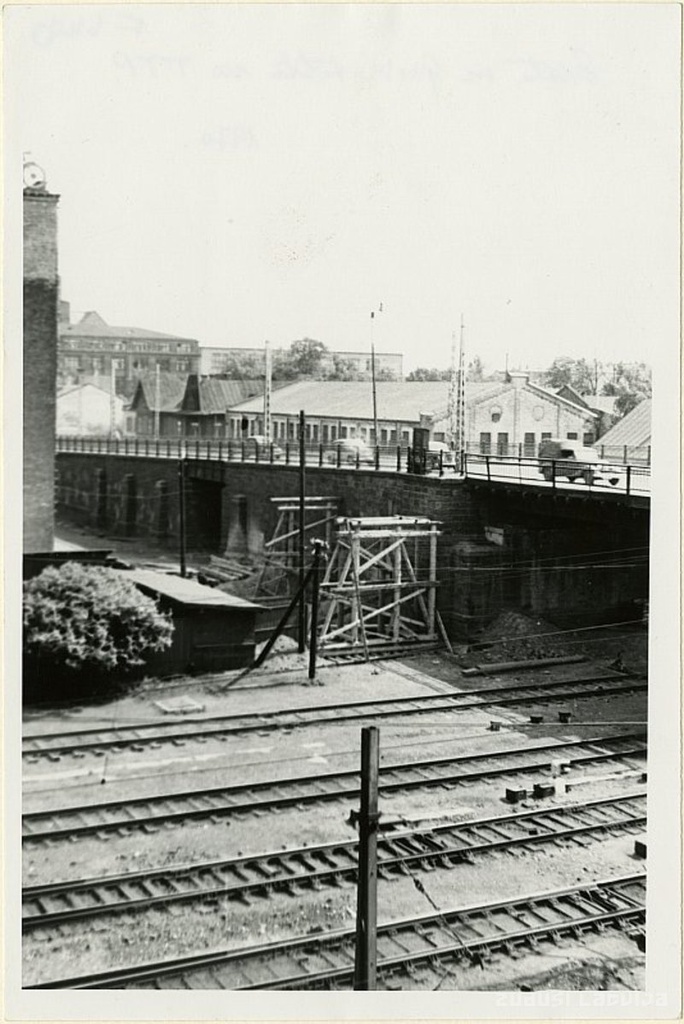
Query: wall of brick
[(535, 569), (41, 289)]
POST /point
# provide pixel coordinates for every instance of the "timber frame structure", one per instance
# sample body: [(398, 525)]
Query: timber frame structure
[(379, 588), (279, 576)]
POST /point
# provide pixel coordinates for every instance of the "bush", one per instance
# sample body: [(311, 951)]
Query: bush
[(91, 617)]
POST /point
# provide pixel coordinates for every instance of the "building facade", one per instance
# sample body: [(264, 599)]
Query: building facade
[(508, 418), (186, 406), (88, 410), (41, 294), (92, 347)]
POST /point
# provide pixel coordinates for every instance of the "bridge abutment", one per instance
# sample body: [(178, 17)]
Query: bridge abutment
[(567, 558)]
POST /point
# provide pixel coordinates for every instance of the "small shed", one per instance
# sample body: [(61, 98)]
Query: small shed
[(214, 631)]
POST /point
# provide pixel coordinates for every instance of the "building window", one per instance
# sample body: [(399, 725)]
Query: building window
[(496, 413), (571, 435), (404, 437), (588, 439), (485, 443), (502, 444), (343, 432), (529, 446), (545, 436)]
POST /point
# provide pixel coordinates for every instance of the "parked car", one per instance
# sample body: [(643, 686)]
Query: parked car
[(437, 450), (257, 443), (351, 450), (574, 461)]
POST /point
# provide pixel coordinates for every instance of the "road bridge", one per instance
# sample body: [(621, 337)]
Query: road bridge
[(571, 553)]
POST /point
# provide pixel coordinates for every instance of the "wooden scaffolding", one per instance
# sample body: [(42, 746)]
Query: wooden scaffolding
[(279, 576), (378, 592)]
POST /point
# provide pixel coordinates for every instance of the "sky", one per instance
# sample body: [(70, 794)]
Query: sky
[(237, 173)]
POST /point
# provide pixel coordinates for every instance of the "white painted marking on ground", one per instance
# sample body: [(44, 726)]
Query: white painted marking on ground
[(317, 760), (132, 765), (307, 745)]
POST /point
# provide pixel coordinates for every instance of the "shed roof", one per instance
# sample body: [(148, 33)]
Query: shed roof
[(185, 591), (633, 430)]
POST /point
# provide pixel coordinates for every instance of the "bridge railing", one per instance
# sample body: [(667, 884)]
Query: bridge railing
[(523, 469), (626, 478)]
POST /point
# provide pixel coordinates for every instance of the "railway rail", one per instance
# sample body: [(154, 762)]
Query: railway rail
[(104, 739), (149, 813), (400, 851), (432, 941)]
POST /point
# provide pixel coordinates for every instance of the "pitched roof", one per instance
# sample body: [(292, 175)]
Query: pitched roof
[(91, 325), (171, 392), (354, 399), (633, 430), (216, 395)]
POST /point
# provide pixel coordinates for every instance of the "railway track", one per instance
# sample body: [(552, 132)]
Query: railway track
[(400, 851), (150, 813), (102, 740), (435, 941)]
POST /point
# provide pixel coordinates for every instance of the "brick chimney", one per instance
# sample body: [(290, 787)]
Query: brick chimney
[(41, 296)]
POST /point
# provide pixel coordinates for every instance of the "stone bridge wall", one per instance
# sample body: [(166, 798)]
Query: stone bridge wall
[(570, 561)]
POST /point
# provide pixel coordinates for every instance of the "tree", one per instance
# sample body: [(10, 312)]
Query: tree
[(307, 356), (631, 384), (475, 371), (91, 617), (575, 373), (384, 373), (236, 366), (343, 369), (428, 373)]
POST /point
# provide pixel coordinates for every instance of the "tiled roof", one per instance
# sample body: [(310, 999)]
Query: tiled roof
[(354, 399), (92, 325), (633, 430)]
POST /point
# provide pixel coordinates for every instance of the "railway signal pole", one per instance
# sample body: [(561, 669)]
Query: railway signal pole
[(301, 632), (366, 960)]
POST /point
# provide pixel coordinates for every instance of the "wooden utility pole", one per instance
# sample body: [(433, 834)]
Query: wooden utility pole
[(181, 514), (301, 635), (313, 640), (365, 967)]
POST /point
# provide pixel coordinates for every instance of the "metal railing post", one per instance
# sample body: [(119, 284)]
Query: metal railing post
[(377, 456), (398, 458), (489, 474), (629, 479)]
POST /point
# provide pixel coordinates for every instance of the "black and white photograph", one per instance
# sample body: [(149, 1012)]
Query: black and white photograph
[(341, 506)]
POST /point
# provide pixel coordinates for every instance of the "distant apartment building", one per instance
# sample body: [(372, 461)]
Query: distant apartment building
[(90, 347), (213, 360)]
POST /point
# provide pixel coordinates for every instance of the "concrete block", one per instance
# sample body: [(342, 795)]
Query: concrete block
[(536, 719), (543, 789), (515, 794), (494, 726), (564, 716), (640, 848)]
